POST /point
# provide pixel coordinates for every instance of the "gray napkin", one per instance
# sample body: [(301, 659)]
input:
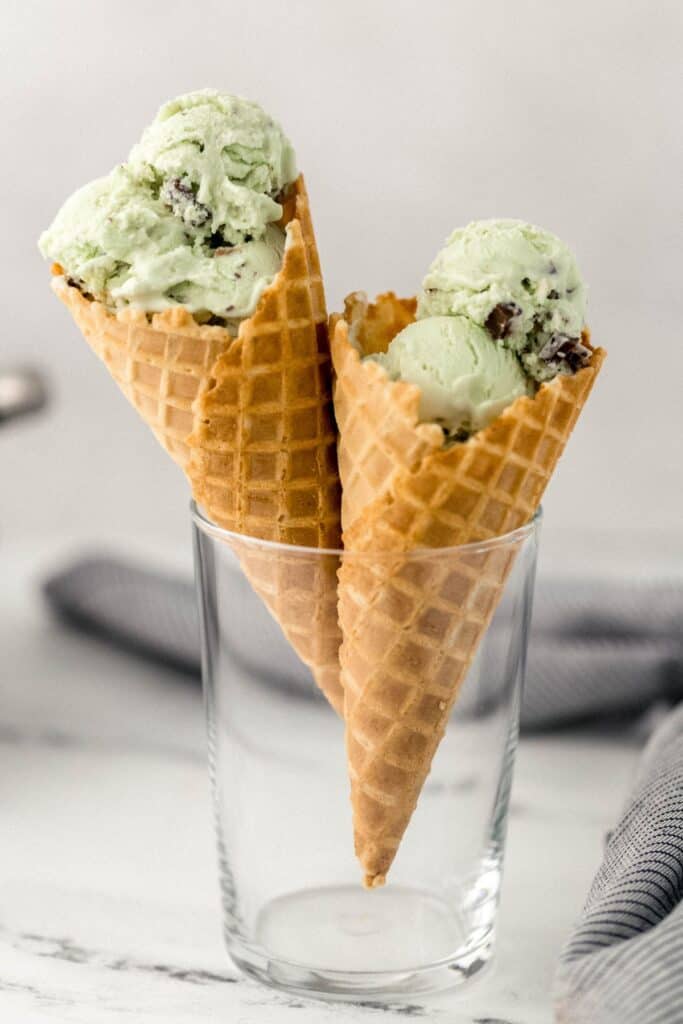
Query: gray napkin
[(146, 612), (602, 648), (624, 963), (596, 649)]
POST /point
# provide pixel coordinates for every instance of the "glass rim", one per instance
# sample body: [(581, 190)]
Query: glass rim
[(208, 527)]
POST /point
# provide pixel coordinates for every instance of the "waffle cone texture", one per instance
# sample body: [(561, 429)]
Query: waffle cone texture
[(411, 627), (249, 420)]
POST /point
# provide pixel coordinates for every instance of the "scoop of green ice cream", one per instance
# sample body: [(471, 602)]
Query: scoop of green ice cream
[(189, 219), (219, 162), (126, 248), (520, 283), (465, 378)]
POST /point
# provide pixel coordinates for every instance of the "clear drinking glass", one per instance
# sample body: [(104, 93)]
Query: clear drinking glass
[(295, 912)]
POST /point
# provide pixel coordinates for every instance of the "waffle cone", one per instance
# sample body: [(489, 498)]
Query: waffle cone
[(249, 420), (411, 627)]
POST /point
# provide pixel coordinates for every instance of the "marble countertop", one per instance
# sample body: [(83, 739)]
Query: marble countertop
[(109, 903)]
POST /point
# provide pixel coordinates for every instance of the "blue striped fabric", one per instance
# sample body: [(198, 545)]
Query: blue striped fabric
[(624, 962)]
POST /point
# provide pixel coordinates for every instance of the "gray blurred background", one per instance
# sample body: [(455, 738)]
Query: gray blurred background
[(408, 119)]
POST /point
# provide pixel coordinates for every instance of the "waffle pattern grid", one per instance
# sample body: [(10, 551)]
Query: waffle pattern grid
[(427, 617), (264, 444), (300, 591), (411, 629), (381, 434), (161, 367)]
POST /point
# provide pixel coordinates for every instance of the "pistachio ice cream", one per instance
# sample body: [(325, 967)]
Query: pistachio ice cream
[(521, 284), (465, 378), (190, 219), (501, 311), (219, 163)]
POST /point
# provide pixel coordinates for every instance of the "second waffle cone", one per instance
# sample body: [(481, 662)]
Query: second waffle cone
[(412, 627)]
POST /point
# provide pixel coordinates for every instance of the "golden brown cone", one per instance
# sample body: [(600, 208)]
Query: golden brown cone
[(412, 627), (249, 419)]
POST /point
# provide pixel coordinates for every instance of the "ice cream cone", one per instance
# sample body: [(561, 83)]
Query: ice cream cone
[(249, 419), (412, 627)]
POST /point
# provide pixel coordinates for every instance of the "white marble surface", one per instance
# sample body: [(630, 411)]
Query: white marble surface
[(108, 885)]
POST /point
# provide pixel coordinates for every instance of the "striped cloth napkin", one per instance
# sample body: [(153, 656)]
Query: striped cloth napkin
[(597, 648), (624, 962)]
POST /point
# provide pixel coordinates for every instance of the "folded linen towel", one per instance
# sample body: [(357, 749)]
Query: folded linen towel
[(622, 965), (597, 648)]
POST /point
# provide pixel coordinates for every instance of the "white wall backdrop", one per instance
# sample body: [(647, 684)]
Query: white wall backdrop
[(408, 119)]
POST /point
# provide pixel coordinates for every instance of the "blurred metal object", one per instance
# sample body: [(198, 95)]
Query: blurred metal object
[(22, 390)]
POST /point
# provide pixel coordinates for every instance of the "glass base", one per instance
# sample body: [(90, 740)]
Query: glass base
[(413, 939)]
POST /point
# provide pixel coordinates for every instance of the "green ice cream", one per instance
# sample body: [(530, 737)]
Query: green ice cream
[(521, 283), (219, 162), (189, 220), (501, 310), (125, 247), (465, 378)]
